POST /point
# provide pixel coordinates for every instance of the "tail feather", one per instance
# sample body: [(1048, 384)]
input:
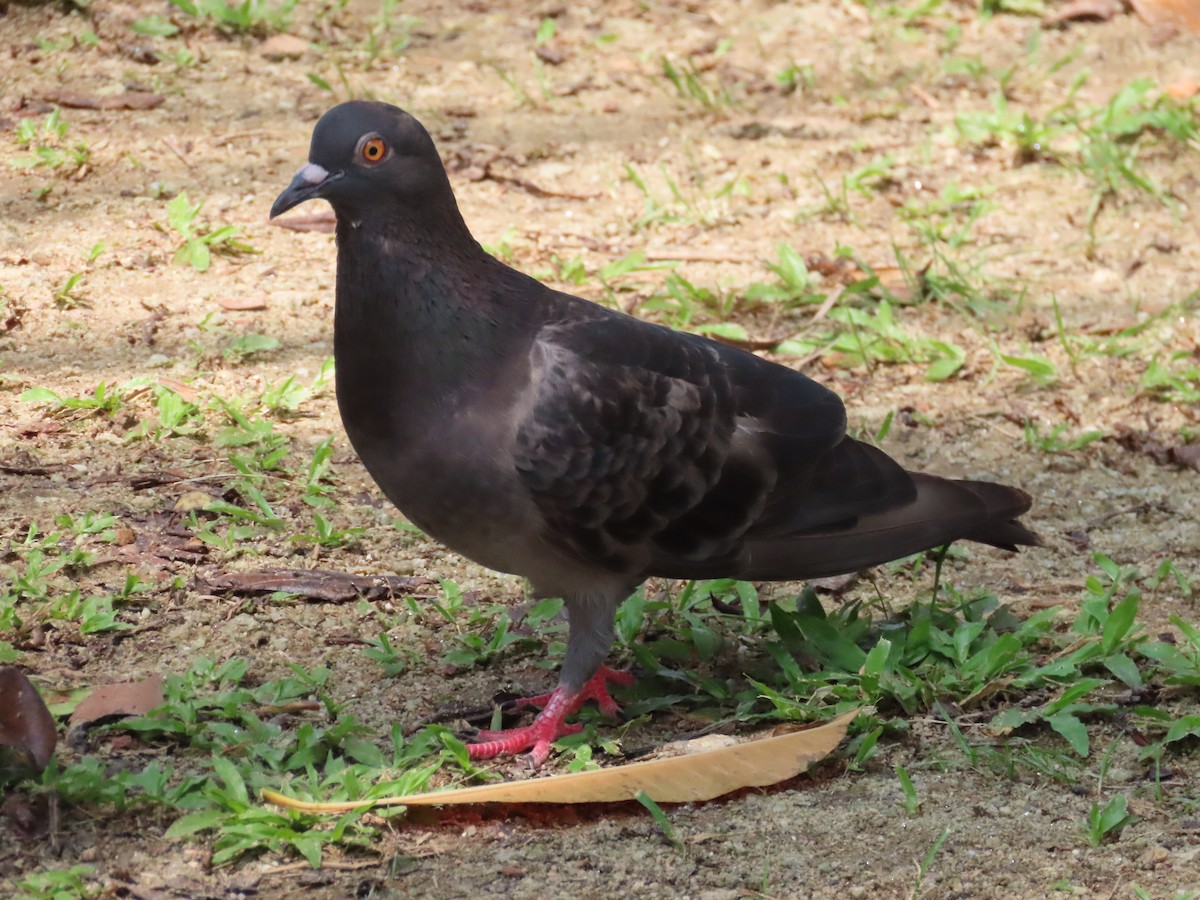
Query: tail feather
[(942, 511)]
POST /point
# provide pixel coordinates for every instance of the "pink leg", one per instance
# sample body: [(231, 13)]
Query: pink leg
[(549, 726)]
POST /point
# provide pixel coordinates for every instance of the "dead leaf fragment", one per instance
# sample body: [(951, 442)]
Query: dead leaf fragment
[(1184, 14), (834, 584), (127, 100), (25, 723), (1186, 455), (241, 303), (1077, 10), (1185, 89), (29, 820), (282, 46), (324, 222), (677, 779), (129, 698), (191, 501)]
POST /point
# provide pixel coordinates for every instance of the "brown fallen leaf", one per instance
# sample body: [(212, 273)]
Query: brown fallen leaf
[(1184, 14), (27, 819), (1076, 10), (192, 501), (323, 221), (25, 723), (310, 584), (677, 779), (129, 698), (834, 584), (183, 389), (1186, 455), (1184, 89), (127, 100), (44, 426), (241, 303), (282, 46)]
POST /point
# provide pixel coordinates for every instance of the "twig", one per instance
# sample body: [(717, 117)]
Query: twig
[(531, 188), (170, 144)]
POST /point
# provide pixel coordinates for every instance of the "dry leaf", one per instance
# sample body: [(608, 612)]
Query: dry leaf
[(25, 723), (191, 501), (323, 221), (127, 100), (677, 779), (241, 303), (28, 819), (1183, 14), (129, 698), (1096, 10), (1186, 455), (834, 584), (282, 46), (1185, 89)]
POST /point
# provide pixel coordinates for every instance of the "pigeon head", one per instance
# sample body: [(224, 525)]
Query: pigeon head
[(367, 156)]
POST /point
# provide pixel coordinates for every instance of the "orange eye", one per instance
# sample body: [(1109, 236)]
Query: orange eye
[(374, 150)]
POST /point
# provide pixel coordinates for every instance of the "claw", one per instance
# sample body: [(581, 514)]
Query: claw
[(549, 726)]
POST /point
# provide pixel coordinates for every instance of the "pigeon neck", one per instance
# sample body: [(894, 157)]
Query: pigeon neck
[(418, 304)]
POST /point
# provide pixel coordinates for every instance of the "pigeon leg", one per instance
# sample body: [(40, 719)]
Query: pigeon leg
[(549, 725)]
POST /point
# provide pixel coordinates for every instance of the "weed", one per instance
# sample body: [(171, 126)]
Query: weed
[(797, 76), (865, 181), (196, 244), (1176, 381), (927, 860), (1054, 442), (105, 398), (912, 803), (154, 26), (989, 8), (546, 30), (391, 660), (692, 205), (244, 346), (1106, 822), (691, 84), (249, 16), (660, 819), (49, 145), (389, 35), (59, 884), (325, 534), (949, 218)]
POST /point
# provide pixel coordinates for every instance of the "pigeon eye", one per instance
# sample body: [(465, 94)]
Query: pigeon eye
[(373, 150)]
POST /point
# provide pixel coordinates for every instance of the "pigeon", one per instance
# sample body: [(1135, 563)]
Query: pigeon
[(547, 436)]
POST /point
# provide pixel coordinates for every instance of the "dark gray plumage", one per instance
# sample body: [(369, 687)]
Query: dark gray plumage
[(539, 434)]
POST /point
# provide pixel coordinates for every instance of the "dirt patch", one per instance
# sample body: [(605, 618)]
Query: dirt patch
[(584, 148)]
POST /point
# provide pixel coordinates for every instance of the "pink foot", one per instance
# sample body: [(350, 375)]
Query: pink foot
[(549, 726)]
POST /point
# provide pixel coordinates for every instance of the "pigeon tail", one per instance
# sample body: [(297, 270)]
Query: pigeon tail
[(944, 510)]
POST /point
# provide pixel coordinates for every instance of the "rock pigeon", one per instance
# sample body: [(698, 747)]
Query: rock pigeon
[(547, 436)]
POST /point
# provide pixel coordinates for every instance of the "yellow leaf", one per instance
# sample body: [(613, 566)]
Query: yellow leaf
[(678, 779)]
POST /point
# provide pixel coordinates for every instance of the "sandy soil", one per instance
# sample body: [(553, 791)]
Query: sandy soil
[(537, 152)]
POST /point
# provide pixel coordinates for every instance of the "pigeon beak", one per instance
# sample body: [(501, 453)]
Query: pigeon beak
[(308, 183)]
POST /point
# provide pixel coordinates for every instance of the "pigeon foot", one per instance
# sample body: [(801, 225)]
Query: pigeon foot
[(549, 726)]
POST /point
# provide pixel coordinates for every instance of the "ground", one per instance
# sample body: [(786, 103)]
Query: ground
[(1035, 241)]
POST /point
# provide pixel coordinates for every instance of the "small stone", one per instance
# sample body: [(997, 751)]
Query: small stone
[(1107, 280)]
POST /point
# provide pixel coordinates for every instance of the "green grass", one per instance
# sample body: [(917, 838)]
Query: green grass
[(1062, 675), (249, 16), (197, 242), (48, 144)]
